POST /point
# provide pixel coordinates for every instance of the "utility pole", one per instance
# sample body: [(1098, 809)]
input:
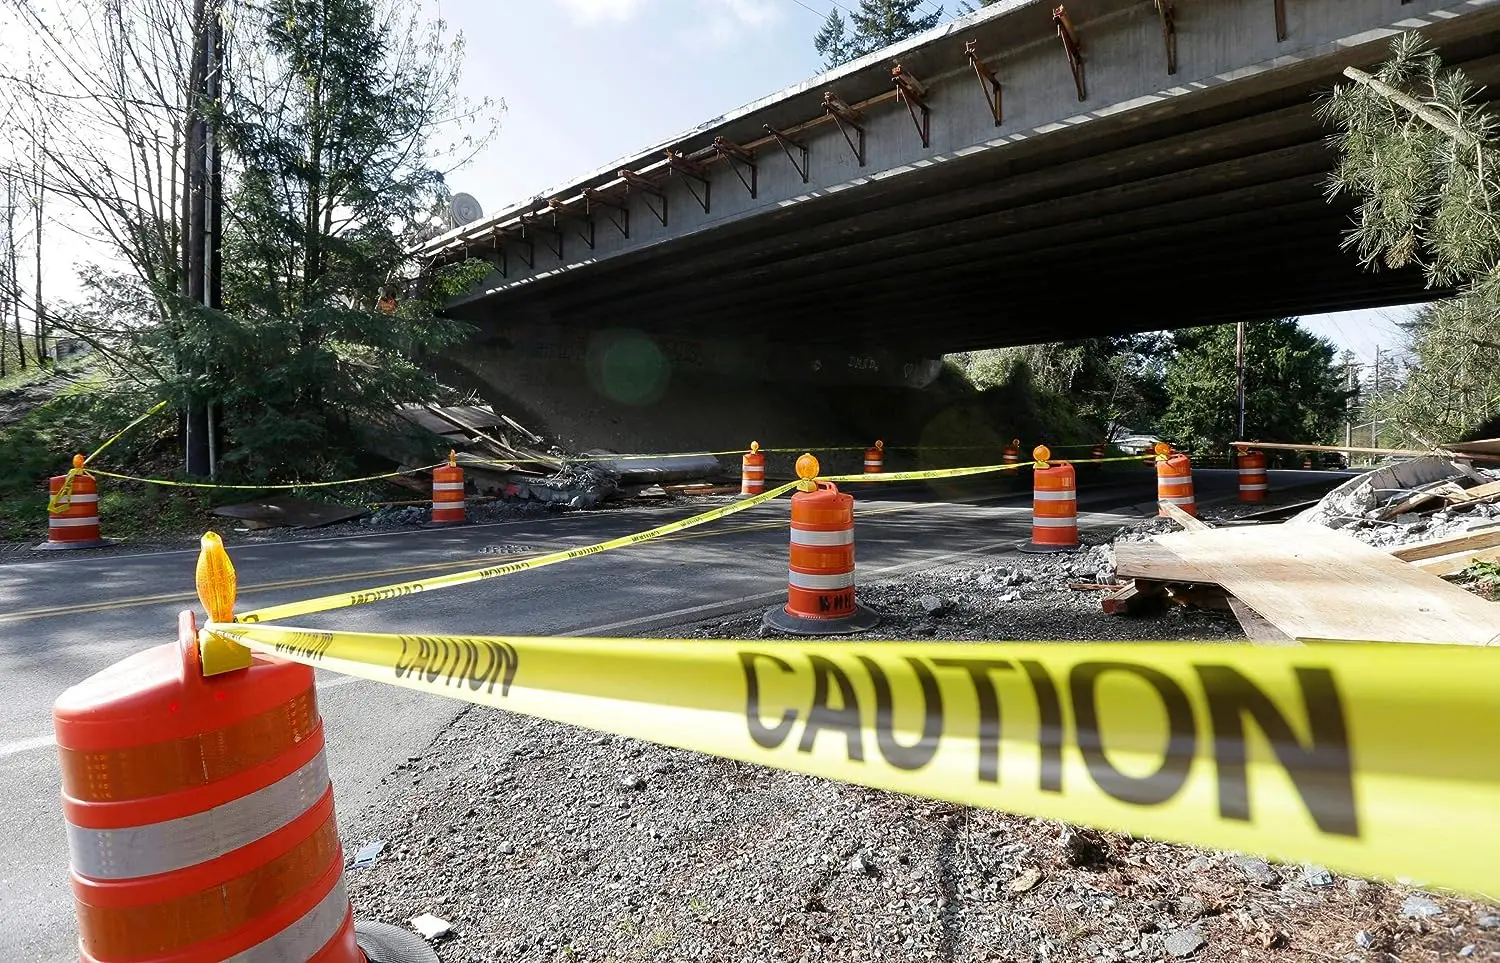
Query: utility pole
[(1375, 396), (5, 281), (1349, 409), (197, 455), (1239, 375), (40, 165), (12, 274)]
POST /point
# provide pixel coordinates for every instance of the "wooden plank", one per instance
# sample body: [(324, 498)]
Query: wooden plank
[(1256, 628), (1453, 564), (1181, 517), (1478, 493), (1482, 538), (1423, 495), (1316, 583), (1131, 597)]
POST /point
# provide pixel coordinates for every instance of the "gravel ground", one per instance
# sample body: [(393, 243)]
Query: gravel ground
[(539, 841)]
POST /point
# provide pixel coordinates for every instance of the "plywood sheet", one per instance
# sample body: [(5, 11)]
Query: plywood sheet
[(1313, 583)]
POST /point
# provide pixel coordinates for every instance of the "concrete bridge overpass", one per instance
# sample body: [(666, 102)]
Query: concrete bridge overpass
[(1011, 177)]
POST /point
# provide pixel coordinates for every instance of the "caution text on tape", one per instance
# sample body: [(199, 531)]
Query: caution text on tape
[(1365, 758)]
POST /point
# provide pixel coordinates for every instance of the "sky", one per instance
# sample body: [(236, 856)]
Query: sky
[(587, 82)]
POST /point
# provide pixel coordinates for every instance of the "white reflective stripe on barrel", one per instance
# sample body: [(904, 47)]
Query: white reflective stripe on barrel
[(79, 522), (174, 844), (447, 486), (1177, 499), (802, 537), (1253, 488), (876, 462), (73, 498), (803, 581), (452, 506), (1055, 496), (1174, 482), (1042, 521), (304, 938), (1252, 471), (755, 472)]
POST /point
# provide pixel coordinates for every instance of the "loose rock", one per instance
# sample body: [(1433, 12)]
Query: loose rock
[(1184, 942), (1418, 907), (1257, 870)]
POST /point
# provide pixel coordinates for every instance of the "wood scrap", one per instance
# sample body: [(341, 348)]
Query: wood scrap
[(1133, 596), (1479, 493), (1180, 516), (1257, 629), (1154, 561), (1093, 587), (1443, 490), (1320, 584), (1445, 565), (1466, 541)]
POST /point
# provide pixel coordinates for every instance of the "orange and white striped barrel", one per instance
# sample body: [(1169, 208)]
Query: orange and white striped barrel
[(1012, 453), (1098, 453), (1174, 482), (753, 471), (448, 493), (199, 813), (1307, 461), (1254, 483), (820, 576), (1054, 504), (875, 459), (73, 516)]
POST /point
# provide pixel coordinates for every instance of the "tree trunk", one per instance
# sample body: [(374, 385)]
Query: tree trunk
[(40, 318), (12, 275)]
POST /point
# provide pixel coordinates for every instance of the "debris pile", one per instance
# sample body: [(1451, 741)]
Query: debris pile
[(1424, 498), (1365, 563)]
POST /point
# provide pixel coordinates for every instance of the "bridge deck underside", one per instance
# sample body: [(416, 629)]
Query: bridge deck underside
[(1162, 221)]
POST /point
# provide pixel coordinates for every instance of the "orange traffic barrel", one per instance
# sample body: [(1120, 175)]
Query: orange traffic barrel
[(73, 510), (1012, 452), (820, 577), (1254, 482), (1307, 461), (753, 471), (448, 493), (1054, 505), (1174, 482), (875, 459), (1098, 453), (199, 813)]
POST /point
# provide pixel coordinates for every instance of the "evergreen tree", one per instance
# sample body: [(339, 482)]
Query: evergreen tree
[(833, 42), (1294, 390), (332, 137), (875, 25), (1416, 151)]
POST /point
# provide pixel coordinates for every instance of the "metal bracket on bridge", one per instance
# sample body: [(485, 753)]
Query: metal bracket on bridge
[(847, 117), (989, 84), (1167, 9), (788, 142), (737, 157), (530, 224), (1281, 19), (1069, 38), (913, 93), (501, 262), (561, 212), (691, 171), (637, 182), (618, 214), (529, 258)]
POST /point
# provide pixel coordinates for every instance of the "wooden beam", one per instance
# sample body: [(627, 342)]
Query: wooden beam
[(1484, 538), (1176, 514)]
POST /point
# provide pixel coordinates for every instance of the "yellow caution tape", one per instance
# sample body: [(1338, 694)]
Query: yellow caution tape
[(321, 484), (402, 589), (897, 476), (63, 498), (1366, 758)]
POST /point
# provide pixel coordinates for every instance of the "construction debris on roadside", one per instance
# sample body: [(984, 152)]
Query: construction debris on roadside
[(1367, 562)]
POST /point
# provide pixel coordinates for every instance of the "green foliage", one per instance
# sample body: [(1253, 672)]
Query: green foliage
[(331, 132), (1424, 176), (877, 24), (1294, 391), (1110, 382)]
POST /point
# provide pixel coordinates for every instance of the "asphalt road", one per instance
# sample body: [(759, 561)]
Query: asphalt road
[(63, 619)]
